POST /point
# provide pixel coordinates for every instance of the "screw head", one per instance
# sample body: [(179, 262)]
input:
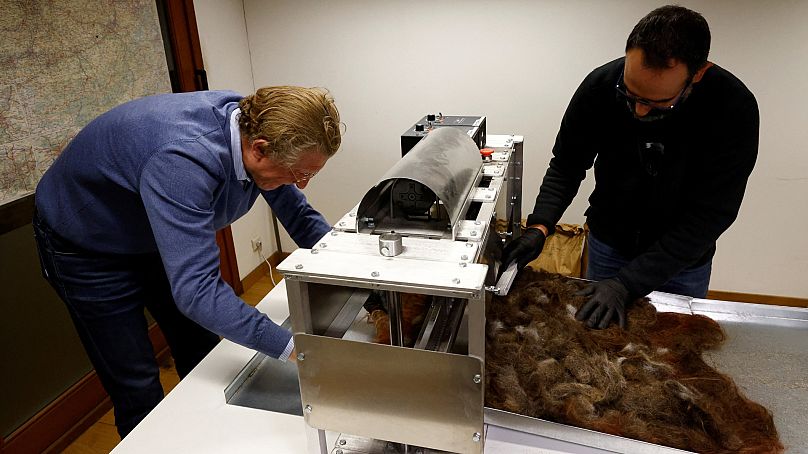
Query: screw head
[(338, 451), (464, 257), (342, 223), (298, 267), (375, 274), (462, 264), (314, 251), (473, 233), (342, 442), (307, 408), (477, 379), (323, 245), (456, 280), (352, 214), (476, 437), (333, 233), (301, 356), (476, 222), (469, 245)]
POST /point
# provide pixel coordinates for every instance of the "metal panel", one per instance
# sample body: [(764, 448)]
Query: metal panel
[(513, 195), (414, 248), (391, 393), (267, 384), (474, 230), (346, 316), (494, 169), (462, 280), (605, 443), (351, 444), (348, 222), (751, 313), (484, 194), (766, 354), (669, 302)]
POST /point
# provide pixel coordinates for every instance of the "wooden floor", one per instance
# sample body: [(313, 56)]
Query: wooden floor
[(102, 436)]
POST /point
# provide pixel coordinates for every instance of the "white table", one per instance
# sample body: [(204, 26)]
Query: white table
[(194, 416)]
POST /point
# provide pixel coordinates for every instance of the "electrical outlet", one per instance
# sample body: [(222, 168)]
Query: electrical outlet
[(256, 244)]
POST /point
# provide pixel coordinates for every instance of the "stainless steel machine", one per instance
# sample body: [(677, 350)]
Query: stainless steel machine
[(425, 228)]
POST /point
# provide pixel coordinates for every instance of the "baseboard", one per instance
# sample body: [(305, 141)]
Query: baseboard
[(63, 420), (262, 269), (758, 299), (57, 425)]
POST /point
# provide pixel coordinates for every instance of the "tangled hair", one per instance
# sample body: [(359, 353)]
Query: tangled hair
[(291, 120), (413, 310), (648, 382), (672, 32)]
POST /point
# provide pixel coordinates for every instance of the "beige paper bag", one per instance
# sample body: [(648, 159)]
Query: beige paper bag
[(563, 251)]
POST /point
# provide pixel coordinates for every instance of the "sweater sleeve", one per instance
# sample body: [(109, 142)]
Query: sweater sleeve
[(713, 200), (573, 155), (305, 224), (177, 189)]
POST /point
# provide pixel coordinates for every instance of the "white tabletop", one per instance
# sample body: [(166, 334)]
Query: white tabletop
[(194, 416)]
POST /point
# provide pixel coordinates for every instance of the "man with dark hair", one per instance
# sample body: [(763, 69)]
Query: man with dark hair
[(673, 139)]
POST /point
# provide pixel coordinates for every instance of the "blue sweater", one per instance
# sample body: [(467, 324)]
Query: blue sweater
[(158, 175)]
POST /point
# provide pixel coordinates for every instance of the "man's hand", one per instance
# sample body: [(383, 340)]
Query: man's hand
[(524, 249), (607, 301)]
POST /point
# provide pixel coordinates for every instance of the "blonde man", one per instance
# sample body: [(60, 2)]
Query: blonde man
[(127, 217)]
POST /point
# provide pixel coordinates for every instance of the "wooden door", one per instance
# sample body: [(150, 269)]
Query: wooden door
[(184, 56)]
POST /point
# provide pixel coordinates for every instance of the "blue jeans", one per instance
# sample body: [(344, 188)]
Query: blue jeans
[(106, 295), (605, 262)]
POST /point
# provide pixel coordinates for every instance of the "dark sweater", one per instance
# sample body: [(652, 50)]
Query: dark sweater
[(663, 209)]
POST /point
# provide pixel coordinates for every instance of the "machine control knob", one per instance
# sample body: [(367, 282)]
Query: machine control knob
[(486, 153), (390, 244), (419, 128)]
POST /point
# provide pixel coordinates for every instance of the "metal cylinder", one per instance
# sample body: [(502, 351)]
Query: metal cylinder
[(390, 244)]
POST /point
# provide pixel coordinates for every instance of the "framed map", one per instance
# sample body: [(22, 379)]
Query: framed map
[(62, 63)]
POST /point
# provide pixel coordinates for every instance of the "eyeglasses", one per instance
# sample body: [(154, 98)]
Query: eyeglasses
[(659, 109), (303, 176)]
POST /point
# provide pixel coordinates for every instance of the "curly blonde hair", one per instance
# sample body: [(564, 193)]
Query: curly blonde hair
[(291, 120)]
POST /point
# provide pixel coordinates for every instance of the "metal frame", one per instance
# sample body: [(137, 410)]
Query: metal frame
[(446, 269)]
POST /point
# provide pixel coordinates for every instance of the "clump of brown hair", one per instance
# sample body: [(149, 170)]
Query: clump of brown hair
[(413, 311), (292, 120), (647, 382)]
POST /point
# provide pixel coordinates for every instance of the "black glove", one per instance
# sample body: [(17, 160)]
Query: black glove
[(524, 249), (608, 300)]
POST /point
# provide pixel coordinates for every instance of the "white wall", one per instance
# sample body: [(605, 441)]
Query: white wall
[(518, 62), (226, 55)]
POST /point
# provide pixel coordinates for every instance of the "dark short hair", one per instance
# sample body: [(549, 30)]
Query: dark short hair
[(672, 31)]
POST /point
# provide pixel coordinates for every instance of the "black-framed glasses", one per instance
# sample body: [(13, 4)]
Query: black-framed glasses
[(659, 108)]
